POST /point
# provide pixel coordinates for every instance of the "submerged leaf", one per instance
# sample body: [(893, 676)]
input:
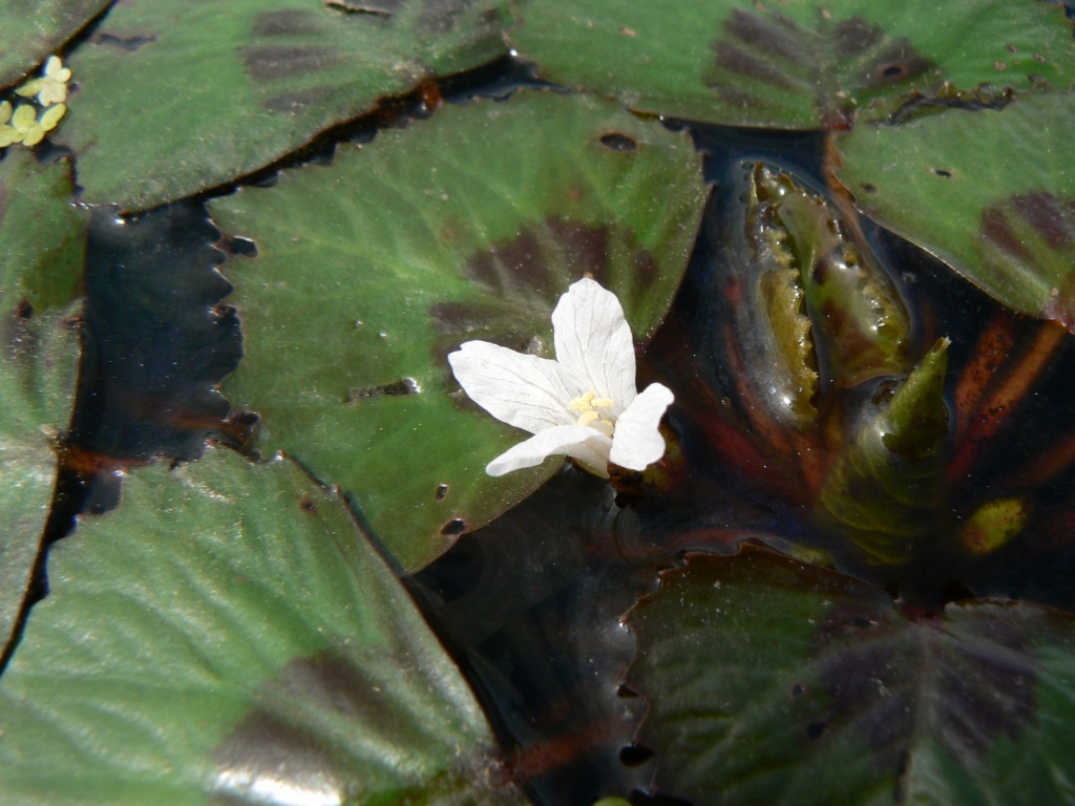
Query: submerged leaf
[(860, 324), (769, 681), (884, 493), (228, 634), (371, 270)]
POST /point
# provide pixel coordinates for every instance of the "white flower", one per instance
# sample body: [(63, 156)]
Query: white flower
[(584, 404)]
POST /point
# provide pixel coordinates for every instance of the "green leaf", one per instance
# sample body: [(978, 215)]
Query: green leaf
[(769, 681), (469, 226), (257, 83), (42, 242), (799, 65), (229, 633), (991, 193), (34, 29), (886, 489)]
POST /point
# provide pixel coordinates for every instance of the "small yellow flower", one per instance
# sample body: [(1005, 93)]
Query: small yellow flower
[(25, 128), (51, 88)]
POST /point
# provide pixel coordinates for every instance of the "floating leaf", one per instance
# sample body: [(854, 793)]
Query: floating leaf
[(884, 493), (35, 28), (790, 65), (229, 633), (258, 82), (470, 226), (774, 682), (991, 193), (42, 240)]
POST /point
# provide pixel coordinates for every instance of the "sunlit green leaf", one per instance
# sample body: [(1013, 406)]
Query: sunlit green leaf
[(470, 226), (229, 635), (42, 241), (800, 64), (773, 682), (257, 82), (992, 193), (34, 29)]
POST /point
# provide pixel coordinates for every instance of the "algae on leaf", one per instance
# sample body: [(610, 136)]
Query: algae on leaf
[(230, 634), (257, 82), (42, 243), (468, 226), (799, 65)]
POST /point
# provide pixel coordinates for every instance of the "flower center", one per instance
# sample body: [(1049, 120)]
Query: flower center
[(588, 406)]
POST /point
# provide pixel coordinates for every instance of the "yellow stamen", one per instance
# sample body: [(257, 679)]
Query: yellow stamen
[(582, 404), (587, 405), (587, 417)]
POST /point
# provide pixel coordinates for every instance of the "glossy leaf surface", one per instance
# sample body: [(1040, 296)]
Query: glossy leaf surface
[(796, 65), (470, 226), (774, 682), (991, 193), (42, 242), (34, 29), (256, 649), (257, 82)]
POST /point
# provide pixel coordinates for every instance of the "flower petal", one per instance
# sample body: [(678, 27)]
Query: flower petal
[(522, 390), (577, 441), (637, 442), (593, 340)]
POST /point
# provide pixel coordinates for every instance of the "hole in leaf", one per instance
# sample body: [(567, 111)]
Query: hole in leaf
[(816, 728), (942, 172), (626, 692), (893, 71), (869, 188), (635, 755), (239, 246), (618, 142), (442, 492), (456, 526), (404, 386)]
